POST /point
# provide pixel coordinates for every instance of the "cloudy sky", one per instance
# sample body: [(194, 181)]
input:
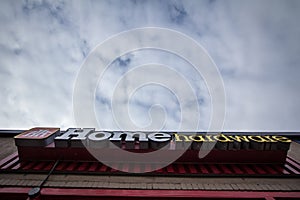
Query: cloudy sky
[(254, 44)]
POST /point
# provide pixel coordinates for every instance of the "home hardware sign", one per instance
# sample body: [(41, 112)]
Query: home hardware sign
[(50, 144), (88, 137)]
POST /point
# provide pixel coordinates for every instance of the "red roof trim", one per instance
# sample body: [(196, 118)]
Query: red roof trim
[(67, 192)]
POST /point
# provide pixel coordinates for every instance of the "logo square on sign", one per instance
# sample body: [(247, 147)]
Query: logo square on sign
[(37, 136)]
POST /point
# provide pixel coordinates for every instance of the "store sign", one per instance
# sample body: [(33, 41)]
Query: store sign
[(88, 137), (90, 134), (76, 143)]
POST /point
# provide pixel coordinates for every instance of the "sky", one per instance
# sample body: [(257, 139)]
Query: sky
[(254, 44)]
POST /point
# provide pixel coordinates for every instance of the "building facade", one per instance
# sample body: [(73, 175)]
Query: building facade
[(47, 163)]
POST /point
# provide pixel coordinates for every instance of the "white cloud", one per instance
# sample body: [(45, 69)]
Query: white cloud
[(255, 44)]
